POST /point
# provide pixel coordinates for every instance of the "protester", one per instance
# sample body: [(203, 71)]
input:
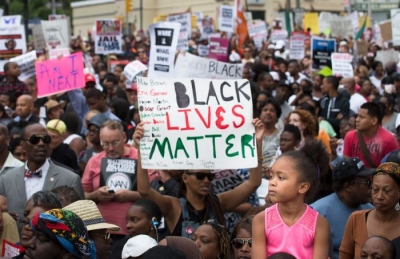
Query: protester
[(7, 160), (24, 111), (11, 83), (185, 245), (390, 115), (164, 252), (377, 246), (137, 246), (17, 150), (53, 110), (66, 194), (72, 137), (241, 240), (356, 99)]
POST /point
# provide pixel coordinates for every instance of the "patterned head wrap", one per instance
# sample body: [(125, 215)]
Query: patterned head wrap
[(67, 229), (391, 169)]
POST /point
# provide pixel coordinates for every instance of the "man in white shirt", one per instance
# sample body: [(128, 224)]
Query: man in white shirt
[(280, 51), (293, 74), (356, 99), (7, 160)]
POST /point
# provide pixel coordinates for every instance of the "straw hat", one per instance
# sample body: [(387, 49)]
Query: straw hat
[(87, 210)]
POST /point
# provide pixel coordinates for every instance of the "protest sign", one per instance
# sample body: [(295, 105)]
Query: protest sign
[(207, 26), (199, 18), (56, 33), (38, 37), (341, 64), (278, 35), (226, 180), (386, 30), (10, 250), (60, 75), (53, 17), (196, 67), (226, 18), (386, 56), (395, 14), (10, 20), (118, 174), (108, 38), (324, 20), (297, 46), (354, 21), (258, 32), (203, 50), (362, 47), (219, 49), (12, 41), (342, 28), (164, 40), (134, 68), (310, 20), (185, 20), (321, 51), (26, 63), (60, 52), (196, 123)]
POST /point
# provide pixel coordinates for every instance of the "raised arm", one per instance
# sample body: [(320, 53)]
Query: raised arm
[(233, 198)]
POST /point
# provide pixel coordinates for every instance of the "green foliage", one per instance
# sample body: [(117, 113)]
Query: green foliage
[(37, 8)]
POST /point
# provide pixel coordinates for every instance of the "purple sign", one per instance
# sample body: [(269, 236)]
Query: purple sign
[(219, 49)]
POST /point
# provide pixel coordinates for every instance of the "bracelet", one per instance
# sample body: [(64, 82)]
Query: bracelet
[(260, 159)]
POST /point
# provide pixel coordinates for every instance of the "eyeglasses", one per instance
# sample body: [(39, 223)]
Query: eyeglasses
[(107, 236), (113, 144), (368, 183), (94, 131), (35, 139), (201, 176), (238, 243)]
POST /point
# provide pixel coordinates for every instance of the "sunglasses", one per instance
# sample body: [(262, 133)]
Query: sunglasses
[(107, 236), (238, 243), (35, 139), (201, 176)]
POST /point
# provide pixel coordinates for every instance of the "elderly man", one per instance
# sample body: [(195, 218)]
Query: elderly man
[(24, 110)]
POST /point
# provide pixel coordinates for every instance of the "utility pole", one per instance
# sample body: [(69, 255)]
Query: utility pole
[(26, 16), (128, 8), (141, 15), (370, 11), (53, 6)]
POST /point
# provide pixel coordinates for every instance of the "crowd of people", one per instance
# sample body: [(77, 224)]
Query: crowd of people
[(327, 183)]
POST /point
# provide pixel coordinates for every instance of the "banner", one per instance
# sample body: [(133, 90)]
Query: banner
[(26, 63), (108, 38), (196, 123), (219, 49), (341, 64), (133, 69), (185, 31), (226, 18), (38, 37), (395, 14), (60, 75), (310, 20), (164, 40), (342, 28), (56, 33), (321, 51), (324, 20), (118, 174), (258, 32), (297, 45), (10, 20), (189, 65), (12, 41), (279, 35), (60, 52)]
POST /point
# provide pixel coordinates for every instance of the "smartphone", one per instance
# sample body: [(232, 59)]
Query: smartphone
[(110, 191)]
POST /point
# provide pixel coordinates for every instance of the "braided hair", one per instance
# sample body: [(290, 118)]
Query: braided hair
[(222, 237)]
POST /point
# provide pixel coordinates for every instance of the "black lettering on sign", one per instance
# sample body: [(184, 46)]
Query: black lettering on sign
[(164, 36), (182, 99)]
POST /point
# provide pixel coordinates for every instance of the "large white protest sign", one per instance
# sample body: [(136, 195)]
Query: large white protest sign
[(341, 64), (59, 52), (10, 20), (56, 33), (386, 56), (164, 40), (108, 38), (354, 21), (258, 32), (341, 28), (12, 41), (226, 180), (26, 63), (324, 20), (395, 14), (189, 65), (133, 69), (38, 37), (185, 20), (278, 35), (297, 46), (226, 18), (196, 123)]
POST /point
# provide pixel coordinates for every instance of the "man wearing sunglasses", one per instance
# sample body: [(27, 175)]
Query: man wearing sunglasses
[(351, 182), (37, 174)]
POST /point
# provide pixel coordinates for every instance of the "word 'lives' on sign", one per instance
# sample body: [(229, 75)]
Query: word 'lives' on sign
[(196, 123)]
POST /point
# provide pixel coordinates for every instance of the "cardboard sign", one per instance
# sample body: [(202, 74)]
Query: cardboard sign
[(196, 67), (341, 64), (10, 20), (297, 46), (60, 52), (386, 56), (11, 250), (185, 30), (38, 37), (196, 123), (164, 41), (395, 14), (226, 180), (386, 31), (118, 174), (278, 35), (108, 38), (133, 69), (258, 32), (56, 33), (12, 41), (26, 63), (310, 20), (342, 28), (219, 49), (226, 18), (60, 75), (362, 47), (321, 51)]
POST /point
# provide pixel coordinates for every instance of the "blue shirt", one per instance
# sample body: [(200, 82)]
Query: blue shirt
[(337, 214)]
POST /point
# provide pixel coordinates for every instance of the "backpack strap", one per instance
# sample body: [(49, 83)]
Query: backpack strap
[(185, 212), (364, 150)]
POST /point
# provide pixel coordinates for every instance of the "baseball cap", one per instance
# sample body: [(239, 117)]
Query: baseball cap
[(89, 78), (280, 44), (57, 126), (138, 245), (98, 120), (50, 104), (393, 157), (132, 87), (274, 75), (351, 166)]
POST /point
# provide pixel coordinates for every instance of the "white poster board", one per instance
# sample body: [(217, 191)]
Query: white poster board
[(258, 32), (226, 18), (56, 33), (185, 20), (108, 39), (132, 69), (26, 63), (59, 52), (385, 56), (342, 28), (297, 46), (279, 35), (12, 41), (342, 64), (192, 66), (395, 14), (38, 37), (10, 20), (196, 123)]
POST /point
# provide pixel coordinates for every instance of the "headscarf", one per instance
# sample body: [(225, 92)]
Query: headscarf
[(187, 246), (391, 169), (67, 229)]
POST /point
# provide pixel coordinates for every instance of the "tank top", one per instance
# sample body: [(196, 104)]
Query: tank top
[(297, 240), (69, 139)]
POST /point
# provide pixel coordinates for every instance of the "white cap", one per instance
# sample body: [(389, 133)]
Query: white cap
[(233, 57), (343, 43), (138, 245), (271, 46), (280, 44), (274, 75)]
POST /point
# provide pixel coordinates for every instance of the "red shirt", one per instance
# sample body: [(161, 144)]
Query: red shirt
[(380, 145)]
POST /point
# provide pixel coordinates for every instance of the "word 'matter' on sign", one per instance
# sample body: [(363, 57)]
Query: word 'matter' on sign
[(59, 75), (196, 124)]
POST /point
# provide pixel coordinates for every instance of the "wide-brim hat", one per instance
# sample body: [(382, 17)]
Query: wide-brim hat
[(87, 210)]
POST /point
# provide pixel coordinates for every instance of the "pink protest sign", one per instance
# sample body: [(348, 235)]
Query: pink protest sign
[(219, 49), (60, 75)]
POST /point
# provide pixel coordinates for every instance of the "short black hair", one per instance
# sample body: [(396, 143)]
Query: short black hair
[(274, 103), (7, 65), (339, 184), (121, 66), (281, 255), (334, 81), (294, 130), (95, 93), (387, 80), (110, 77), (374, 110), (149, 208), (72, 122)]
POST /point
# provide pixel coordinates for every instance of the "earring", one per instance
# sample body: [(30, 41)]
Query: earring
[(397, 206), (151, 228)]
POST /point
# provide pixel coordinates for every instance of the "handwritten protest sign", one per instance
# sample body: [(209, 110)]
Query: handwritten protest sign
[(196, 123), (192, 66), (60, 52), (207, 26), (258, 32), (341, 28), (185, 20), (386, 56), (321, 51), (341, 64), (226, 19), (395, 14), (362, 47), (386, 30), (26, 64), (134, 68), (164, 40), (59, 75), (278, 35), (12, 41), (203, 50), (310, 20), (219, 49), (108, 38), (10, 249), (118, 174), (10, 20), (38, 37), (297, 46), (56, 33)]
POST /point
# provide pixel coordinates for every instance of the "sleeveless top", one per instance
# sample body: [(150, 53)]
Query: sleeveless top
[(297, 240), (69, 139)]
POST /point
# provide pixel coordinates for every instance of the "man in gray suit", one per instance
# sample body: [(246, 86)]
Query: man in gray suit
[(38, 173)]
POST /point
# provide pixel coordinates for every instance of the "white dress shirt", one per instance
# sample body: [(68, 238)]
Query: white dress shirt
[(11, 162), (34, 183)]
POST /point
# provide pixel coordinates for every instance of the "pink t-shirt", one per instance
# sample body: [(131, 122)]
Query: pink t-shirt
[(113, 212), (380, 145), (297, 240)]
